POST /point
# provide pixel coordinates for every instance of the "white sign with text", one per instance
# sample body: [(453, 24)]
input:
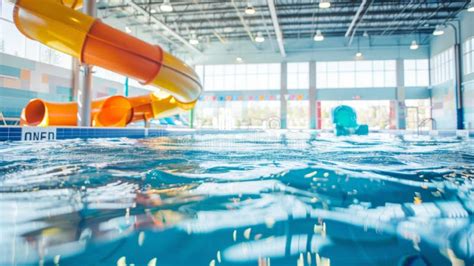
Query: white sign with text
[(38, 133)]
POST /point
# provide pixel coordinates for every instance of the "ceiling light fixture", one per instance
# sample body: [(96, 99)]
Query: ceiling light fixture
[(470, 7), (228, 29), (319, 36), (166, 6), (414, 45), (439, 30), (250, 10), (359, 54), (194, 40), (324, 4), (259, 37), (153, 11), (239, 59)]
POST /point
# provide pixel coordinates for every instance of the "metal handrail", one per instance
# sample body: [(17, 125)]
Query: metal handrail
[(424, 121), (6, 119)]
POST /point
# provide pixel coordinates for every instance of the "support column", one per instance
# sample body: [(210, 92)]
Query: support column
[(459, 93), (458, 69), (76, 76), (400, 110), (283, 95), (313, 111), (84, 96)]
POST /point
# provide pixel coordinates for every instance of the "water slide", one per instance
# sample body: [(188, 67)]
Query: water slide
[(57, 24)]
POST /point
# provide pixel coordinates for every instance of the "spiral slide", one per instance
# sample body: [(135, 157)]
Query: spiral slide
[(58, 25)]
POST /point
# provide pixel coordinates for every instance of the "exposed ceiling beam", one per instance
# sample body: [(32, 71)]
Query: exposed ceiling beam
[(276, 27), (244, 24), (361, 11), (163, 26), (355, 18)]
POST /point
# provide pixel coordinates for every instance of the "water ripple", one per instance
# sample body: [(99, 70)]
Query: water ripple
[(238, 199)]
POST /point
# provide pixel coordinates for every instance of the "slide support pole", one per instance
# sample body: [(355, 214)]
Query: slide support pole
[(85, 90)]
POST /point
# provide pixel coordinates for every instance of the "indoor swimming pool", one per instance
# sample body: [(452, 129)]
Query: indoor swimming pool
[(270, 198)]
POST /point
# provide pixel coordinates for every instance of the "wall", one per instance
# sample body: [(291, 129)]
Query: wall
[(443, 95), (467, 31), (22, 79)]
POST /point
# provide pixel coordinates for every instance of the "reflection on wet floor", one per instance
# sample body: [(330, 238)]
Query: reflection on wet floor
[(261, 200)]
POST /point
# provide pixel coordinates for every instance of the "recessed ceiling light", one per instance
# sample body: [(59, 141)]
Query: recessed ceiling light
[(439, 30), (166, 6), (324, 4), (414, 45), (318, 37), (358, 54), (239, 59), (250, 10), (259, 37)]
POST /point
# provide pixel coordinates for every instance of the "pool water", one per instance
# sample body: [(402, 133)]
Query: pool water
[(270, 198)]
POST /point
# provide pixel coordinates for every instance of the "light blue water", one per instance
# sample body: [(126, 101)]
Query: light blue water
[(238, 199)]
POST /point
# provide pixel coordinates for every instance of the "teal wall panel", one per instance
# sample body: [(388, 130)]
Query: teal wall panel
[(10, 71)]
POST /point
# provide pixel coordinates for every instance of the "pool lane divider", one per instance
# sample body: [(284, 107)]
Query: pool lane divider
[(44, 134)]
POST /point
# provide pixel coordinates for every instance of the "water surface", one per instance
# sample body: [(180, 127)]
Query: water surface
[(238, 199)]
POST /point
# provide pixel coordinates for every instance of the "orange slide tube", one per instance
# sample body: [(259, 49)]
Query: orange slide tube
[(56, 24)]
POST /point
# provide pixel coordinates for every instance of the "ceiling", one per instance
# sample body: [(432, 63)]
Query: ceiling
[(224, 21)]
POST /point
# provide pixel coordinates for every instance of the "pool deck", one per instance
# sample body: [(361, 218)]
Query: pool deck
[(16, 133)]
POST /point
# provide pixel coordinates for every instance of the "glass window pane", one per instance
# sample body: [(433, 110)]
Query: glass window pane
[(332, 67), (410, 78), (292, 67), (364, 79), (364, 66), (218, 70), (423, 78), (274, 82), (321, 81), (274, 68), (321, 66), (251, 69), (347, 66), (378, 65), (332, 80), (303, 80), (303, 67), (410, 64), (390, 65), (390, 79), (347, 80), (379, 79)]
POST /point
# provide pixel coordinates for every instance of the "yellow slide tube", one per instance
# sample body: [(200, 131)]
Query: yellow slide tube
[(56, 24)]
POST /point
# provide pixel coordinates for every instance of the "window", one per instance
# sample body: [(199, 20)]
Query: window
[(298, 76), (442, 67), (416, 73), (239, 77), (418, 114), (468, 56), (298, 114), (238, 114), (356, 74)]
